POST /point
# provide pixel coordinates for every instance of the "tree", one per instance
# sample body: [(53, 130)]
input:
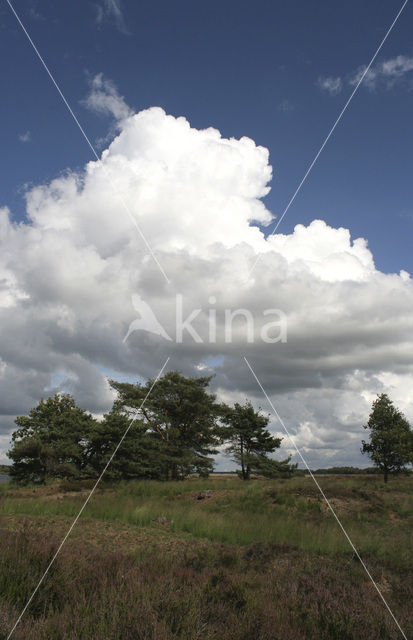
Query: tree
[(269, 468), (50, 441), (391, 440), (251, 442), (137, 456), (180, 415)]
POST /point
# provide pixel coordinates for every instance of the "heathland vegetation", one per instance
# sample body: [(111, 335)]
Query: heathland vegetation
[(208, 558), (166, 551)]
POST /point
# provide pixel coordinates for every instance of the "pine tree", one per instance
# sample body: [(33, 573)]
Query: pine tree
[(251, 442), (136, 457), (180, 415), (391, 440), (50, 441)]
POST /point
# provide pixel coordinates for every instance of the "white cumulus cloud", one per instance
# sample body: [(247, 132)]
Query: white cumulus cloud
[(68, 274)]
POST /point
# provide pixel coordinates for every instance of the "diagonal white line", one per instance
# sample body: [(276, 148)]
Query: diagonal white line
[(85, 503), (324, 496), (122, 200), (330, 133)]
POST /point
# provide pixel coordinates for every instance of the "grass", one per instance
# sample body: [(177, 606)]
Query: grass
[(242, 555), (239, 513)]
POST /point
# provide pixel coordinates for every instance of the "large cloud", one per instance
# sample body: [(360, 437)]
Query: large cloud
[(68, 274)]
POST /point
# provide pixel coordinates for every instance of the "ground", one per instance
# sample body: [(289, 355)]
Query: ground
[(211, 559)]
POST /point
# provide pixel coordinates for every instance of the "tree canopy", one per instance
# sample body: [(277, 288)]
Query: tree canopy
[(250, 442), (390, 445), (180, 415), (50, 441), (137, 456)]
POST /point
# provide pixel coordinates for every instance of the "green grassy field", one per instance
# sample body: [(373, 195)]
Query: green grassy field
[(216, 558)]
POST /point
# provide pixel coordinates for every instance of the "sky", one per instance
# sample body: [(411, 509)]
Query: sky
[(208, 116)]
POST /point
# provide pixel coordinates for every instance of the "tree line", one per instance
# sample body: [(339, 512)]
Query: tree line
[(173, 433)]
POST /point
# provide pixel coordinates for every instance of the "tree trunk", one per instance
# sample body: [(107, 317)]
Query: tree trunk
[(243, 471)]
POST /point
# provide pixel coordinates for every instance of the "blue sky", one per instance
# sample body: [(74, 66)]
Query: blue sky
[(245, 68)]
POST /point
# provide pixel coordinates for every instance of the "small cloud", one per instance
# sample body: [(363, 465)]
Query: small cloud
[(35, 14), (332, 85), (285, 106), (110, 11), (384, 75), (105, 99), (25, 137)]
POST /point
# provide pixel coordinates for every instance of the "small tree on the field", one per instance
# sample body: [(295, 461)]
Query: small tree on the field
[(251, 442), (391, 441)]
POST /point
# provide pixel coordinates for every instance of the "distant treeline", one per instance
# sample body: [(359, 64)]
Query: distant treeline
[(4, 469), (345, 471)]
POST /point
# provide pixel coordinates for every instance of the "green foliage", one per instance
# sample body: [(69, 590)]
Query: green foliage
[(162, 431), (136, 457), (50, 441), (391, 440), (250, 441), (264, 466), (181, 418)]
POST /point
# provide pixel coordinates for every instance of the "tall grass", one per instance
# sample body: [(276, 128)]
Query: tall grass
[(242, 513)]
